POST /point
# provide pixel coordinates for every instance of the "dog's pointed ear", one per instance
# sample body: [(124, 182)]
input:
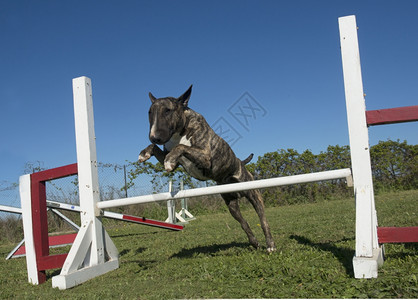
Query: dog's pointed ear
[(184, 99), (151, 96)]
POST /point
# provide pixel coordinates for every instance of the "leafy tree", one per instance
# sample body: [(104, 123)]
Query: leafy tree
[(394, 165)]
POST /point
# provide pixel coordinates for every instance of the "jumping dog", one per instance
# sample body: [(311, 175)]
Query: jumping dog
[(189, 141)]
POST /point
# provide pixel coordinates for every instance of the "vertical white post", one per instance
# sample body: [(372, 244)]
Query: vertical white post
[(88, 179), (26, 204), (92, 247), (185, 214), (171, 205), (86, 148), (183, 201), (173, 216), (367, 248)]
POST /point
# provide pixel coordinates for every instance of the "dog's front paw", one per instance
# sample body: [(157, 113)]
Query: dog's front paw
[(145, 154), (171, 161), (169, 166), (143, 157)]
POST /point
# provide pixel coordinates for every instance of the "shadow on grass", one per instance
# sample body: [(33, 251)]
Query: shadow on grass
[(132, 234), (212, 249), (137, 251), (143, 264), (405, 250), (343, 254)]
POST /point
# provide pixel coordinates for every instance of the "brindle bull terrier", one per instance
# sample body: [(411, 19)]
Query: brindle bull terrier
[(190, 142)]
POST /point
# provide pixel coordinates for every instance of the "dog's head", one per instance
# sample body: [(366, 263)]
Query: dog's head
[(166, 117)]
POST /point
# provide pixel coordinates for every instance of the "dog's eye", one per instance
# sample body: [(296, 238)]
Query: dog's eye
[(167, 111)]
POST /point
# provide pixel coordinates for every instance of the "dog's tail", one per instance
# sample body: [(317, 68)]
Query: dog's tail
[(248, 159)]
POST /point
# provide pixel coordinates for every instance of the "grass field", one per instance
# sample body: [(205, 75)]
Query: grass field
[(212, 259)]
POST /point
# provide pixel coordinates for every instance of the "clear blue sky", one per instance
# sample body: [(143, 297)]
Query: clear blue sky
[(285, 54)]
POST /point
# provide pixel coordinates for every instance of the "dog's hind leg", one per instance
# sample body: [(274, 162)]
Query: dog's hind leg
[(254, 196), (233, 207)]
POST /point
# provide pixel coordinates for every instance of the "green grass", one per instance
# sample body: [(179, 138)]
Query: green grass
[(211, 258)]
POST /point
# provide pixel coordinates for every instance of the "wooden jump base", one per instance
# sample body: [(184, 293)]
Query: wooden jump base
[(93, 253)]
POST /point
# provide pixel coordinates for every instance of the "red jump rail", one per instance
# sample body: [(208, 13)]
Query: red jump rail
[(392, 115)]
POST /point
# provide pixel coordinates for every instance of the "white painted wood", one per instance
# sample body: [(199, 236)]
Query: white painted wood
[(179, 217), (84, 274), (65, 206), (228, 188), (86, 147), (359, 136), (93, 252), (11, 209), (364, 229), (88, 178), (367, 267), (171, 206), (76, 268), (80, 249), (10, 255), (187, 213), (184, 213), (26, 204), (365, 261)]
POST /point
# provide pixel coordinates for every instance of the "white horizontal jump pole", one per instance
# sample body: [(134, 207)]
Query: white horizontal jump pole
[(229, 188), (11, 209)]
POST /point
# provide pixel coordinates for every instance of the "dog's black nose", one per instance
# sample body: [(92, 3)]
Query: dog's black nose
[(155, 140)]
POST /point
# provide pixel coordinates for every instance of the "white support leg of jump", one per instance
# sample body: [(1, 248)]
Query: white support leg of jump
[(26, 203), (184, 213), (93, 252), (171, 206), (173, 216), (368, 253)]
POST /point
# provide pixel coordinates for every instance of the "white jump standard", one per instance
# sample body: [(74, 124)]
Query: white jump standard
[(369, 237)]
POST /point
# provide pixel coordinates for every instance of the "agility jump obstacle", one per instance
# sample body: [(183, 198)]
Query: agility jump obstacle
[(35, 225), (93, 252), (67, 239)]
